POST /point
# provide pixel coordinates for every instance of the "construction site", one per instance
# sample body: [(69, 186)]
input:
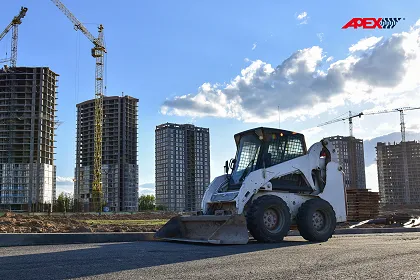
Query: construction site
[(28, 121), (229, 195), (106, 174)]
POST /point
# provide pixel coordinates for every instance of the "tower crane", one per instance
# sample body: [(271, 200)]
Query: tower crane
[(350, 118), (13, 25), (403, 144), (98, 52), (402, 122)]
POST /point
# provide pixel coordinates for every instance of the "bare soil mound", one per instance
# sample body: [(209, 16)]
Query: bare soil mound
[(16, 223)]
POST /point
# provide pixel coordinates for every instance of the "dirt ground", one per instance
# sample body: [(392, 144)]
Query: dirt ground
[(139, 222)]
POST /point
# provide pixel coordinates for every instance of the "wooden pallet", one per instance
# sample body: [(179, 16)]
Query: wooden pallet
[(362, 204)]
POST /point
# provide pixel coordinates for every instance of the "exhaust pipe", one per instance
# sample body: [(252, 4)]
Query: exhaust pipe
[(214, 229)]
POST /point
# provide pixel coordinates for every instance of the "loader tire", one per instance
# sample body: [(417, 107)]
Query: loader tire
[(316, 220), (268, 219)]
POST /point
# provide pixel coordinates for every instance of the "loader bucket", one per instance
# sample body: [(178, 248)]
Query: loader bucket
[(213, 229)]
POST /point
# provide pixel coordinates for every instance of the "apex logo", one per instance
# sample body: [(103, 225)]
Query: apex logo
[(372, 23)]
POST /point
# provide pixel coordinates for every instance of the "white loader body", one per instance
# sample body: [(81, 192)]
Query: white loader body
[(257, 184)]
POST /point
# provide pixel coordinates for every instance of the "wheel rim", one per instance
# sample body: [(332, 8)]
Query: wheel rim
[(273, 220), (318, 220)]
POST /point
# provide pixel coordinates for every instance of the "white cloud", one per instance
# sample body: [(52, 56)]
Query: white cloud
[(384, 74), (64, 184), (329, 59), (302, 18), (313, 135), (64, 180), (414, 127), (254, 46), (148, 188), (365, 44), (64, 189), (385, 128), (320, 36), (312, 131)]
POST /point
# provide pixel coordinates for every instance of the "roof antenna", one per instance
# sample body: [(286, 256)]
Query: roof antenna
[(278, 111)]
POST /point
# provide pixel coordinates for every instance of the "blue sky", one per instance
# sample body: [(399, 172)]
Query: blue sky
[(161, 50)]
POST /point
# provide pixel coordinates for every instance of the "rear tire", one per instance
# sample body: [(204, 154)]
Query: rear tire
[(316, 220), (268, 219)]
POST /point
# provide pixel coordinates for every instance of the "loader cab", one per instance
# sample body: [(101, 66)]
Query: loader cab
[(264, 147)]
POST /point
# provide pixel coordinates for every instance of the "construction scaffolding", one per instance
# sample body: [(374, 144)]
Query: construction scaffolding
[(399, 182), (27, 127), (119, 154)]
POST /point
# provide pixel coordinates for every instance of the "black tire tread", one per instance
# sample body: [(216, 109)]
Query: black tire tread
[(253, 220), (305, 230)]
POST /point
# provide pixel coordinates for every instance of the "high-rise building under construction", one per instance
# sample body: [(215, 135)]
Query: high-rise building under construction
[(119, 154), (27, 126), (351, 157), (182, 166), (399, 173)]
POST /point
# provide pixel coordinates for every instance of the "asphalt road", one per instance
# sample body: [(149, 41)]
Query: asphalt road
[(381, 256)]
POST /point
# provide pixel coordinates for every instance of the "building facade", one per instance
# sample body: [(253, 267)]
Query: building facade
[(27, 127), (351, 157), (399, 173), (120, 175), (182, 166)]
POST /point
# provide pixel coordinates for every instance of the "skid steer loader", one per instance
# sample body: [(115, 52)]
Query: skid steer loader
[(275, 182)]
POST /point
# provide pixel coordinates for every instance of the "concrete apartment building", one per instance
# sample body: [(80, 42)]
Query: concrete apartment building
[(399, 173), (120, 175), (351, 157), (27, 124), (182, 166)]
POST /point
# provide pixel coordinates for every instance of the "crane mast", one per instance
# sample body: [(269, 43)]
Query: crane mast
[(14, 24), (98, 52)]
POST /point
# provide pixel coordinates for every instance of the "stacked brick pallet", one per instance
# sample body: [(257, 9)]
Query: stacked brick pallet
[(362, 205)]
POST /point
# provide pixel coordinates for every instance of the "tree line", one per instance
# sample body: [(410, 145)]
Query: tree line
[(65, 203)]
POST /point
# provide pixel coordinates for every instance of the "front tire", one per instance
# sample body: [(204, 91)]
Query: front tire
[(316, 220), (268, 219)]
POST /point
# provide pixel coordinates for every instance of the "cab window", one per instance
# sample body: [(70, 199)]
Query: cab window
[(283, 148)]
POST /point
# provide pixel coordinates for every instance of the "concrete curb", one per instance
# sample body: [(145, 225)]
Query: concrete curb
[(343, 231), (26, 239)]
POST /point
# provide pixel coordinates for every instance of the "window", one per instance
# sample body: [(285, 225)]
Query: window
[(275, 150), (283, 148), (247, 157), (294, 148), (248, 153)]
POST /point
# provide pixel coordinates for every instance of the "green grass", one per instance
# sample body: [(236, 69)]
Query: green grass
[(157, 222)]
